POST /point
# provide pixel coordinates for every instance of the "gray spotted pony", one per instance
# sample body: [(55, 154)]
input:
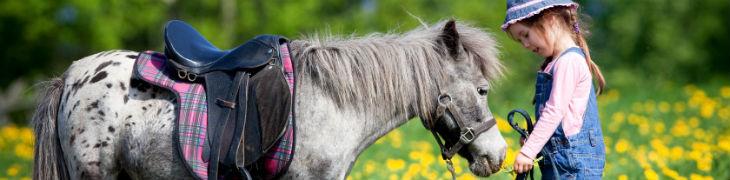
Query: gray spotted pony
[(104, 120)]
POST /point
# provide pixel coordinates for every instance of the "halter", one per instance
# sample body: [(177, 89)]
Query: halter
[(447, 110)]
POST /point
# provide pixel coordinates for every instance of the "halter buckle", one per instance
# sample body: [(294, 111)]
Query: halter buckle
[(468, 136)]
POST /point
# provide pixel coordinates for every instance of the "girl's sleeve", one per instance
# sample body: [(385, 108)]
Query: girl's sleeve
[(565, 81)]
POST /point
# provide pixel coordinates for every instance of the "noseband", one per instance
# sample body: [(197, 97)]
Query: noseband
[(447, 110)]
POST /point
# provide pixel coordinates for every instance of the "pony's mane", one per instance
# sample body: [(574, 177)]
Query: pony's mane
[(389, 70)]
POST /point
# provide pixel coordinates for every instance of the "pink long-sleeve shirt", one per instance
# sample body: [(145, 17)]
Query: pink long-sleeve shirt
[(572, 82)]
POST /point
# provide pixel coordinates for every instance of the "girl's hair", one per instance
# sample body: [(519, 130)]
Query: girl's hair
[(566, 18)]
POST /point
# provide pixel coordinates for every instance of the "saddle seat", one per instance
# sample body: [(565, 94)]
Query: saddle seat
[(192, 53)]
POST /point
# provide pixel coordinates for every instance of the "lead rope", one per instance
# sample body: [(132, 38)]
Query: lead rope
[(450, 166)]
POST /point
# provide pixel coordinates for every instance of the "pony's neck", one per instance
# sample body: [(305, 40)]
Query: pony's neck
[(386, 74)]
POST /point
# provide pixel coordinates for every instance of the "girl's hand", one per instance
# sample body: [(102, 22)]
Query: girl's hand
[(522, 163)]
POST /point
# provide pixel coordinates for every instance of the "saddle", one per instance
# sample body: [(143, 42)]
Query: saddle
[(249, 99)]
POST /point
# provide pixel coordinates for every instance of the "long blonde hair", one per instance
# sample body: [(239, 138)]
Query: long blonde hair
[(567, 17)]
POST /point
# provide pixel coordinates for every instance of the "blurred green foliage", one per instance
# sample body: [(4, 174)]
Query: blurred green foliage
[(647, 44)]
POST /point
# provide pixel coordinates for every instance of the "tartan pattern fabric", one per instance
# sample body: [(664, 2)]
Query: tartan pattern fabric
[(278, 158), (192, 119)]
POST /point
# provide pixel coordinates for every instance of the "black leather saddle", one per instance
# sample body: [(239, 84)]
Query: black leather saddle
[(191, 52), (248, 97)]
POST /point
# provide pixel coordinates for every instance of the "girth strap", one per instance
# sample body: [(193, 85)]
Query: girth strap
[(222, 132)]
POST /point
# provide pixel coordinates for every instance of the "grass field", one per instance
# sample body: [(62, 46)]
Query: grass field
[(672, 133)]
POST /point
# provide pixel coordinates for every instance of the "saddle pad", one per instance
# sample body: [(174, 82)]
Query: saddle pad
[(192, 119)]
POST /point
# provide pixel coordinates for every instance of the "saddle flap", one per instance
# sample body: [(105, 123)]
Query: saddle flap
[(274, 103), (268, 116)]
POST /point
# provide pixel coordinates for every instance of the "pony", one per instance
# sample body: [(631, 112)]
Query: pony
[(98, 122)]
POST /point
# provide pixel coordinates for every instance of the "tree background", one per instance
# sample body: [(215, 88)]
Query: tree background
[(643, 47)]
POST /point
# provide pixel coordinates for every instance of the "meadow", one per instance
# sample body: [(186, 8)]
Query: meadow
[(680, 133)]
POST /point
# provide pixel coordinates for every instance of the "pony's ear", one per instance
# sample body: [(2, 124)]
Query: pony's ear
[(450, 37)]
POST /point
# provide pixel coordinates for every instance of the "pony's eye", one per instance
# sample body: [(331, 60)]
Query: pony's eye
[(482, 91)]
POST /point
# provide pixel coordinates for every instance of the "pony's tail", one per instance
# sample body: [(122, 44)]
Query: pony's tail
[(48, 162)]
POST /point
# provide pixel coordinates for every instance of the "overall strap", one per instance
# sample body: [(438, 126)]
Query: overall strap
[(571, 49)]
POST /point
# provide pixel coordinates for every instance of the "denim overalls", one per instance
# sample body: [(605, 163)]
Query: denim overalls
[(580, 156)]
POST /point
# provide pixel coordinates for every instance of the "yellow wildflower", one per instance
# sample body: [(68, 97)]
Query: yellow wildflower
[(26, 135), (393, 177), (649, 106), (724, 143), (622, 145), (623, 177), (369, 167), (503, 125), (664, 107), (10, 132), (396, 138), (618, 117), (24, 151), (725, 91), (708, 108), (13, 170), (659, 127), (395, 164), (650, 174), (680, 128), (694, 176)]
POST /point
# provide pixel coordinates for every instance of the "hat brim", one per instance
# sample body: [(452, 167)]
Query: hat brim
[(507, 23)]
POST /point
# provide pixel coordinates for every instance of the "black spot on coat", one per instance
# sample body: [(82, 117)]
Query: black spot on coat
[(98, 77), (102, 66), (111, 129), (132, 56)]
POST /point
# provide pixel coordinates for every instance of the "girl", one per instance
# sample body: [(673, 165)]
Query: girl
[(568, 131)]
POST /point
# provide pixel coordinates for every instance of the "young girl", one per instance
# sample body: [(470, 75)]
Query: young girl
[(568, 131)]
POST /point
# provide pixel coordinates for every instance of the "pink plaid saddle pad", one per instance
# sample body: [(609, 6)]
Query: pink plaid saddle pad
[(192, 116)]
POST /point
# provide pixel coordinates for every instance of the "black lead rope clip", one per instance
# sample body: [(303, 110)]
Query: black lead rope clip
[(523, 133)]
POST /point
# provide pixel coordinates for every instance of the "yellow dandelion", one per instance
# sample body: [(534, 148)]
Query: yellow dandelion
[(650, 174), (680, 128), (10, 132), (659, 127), (649, 106), (393, 177), (622, 145), (26, 135), (724, 143), (395, 164), (707, 109), (697, 98), (618, 117), (369, 167), (24, 151), (671, 173), (466, 176), (396, 138), (694, 176), (623, 177), (724, 113), (664, 107), (704, 165), (503, 125), (13, 170), (677, 153), (725, 91)]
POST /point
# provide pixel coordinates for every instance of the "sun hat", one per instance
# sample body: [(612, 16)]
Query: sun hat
[(521, 9)]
